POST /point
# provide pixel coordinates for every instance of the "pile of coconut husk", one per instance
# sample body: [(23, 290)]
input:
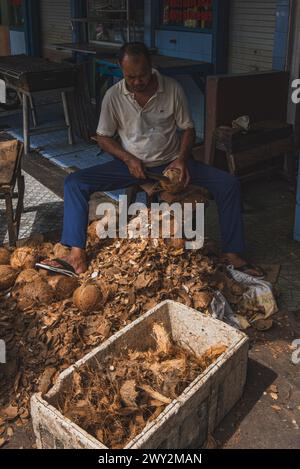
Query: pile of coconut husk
[(115, 401), (48, 322)]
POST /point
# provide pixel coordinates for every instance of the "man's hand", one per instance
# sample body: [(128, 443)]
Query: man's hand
[(136, 168), (184, 172)]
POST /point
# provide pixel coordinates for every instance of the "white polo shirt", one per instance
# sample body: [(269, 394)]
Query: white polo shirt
[(149, 133)]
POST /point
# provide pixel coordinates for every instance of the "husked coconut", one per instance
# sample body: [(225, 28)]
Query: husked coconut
[(4, 256), (27, 276), (174, 185), (23, 258), (202, 299), (63, 286), (60, 251), (45, 250), (8, 276), (87, 298), (33, 294)]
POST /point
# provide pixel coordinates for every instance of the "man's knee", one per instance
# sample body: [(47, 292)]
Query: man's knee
[(72, 181)]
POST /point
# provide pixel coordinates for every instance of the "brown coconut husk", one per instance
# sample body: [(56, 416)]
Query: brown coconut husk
[(33, 294), (8, 276), (88, 297), (92, 232), (63, 286), (60, 251), (202, 299), (24, 258), (27, 276), (116, 401), (4, 256), (46, 250)]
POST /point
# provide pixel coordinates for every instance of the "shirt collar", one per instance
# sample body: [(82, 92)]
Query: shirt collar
[(160, 80)]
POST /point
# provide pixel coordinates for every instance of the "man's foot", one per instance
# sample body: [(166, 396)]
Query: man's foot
[(76, 258), (241, 264)]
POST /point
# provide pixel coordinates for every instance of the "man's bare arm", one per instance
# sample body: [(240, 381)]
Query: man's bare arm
[(112, 146), (188, 138)]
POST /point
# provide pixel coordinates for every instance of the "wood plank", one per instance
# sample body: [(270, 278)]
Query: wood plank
[(8, 158)]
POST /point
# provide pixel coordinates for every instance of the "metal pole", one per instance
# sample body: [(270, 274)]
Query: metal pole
[(26, 135)]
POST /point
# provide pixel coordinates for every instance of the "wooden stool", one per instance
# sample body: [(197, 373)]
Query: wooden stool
[(10, 175)]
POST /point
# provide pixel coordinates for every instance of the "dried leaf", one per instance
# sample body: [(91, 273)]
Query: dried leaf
[(11, 412), (163, 342), (155, 394)]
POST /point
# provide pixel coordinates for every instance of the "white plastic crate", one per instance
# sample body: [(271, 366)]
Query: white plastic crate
[(187, 421)]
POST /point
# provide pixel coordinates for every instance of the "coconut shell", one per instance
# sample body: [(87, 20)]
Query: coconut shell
[(87, 298), (60, 251), (8, 276), (27, 276), (174, 185), (4, 256), (33, 294), (63, 286), (23, 258)]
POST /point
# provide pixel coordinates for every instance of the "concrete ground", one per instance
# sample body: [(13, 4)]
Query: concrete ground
[(264, 418)]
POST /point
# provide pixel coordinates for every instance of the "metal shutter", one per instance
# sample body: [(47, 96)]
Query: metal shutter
[(55, 25), (252, 31)]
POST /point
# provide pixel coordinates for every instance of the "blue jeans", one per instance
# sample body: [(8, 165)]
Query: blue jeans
[(115, 175)]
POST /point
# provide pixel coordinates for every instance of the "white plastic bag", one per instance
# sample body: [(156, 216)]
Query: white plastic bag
[(259, 294)]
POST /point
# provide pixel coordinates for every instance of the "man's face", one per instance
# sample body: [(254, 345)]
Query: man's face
[(137, 73)]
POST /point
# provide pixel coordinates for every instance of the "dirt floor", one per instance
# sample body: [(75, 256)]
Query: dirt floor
[(268, 415)]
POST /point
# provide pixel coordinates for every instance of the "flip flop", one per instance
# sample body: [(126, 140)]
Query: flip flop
[(248, 266), (65, 269)]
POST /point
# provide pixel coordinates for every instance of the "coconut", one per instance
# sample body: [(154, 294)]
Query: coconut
[(23, 258), (33, 294), (4, 256), (63, 286), (8, 276), (60, 251), (173, 174), (87, 298), (27, 276), (202, 299), (45, 250)]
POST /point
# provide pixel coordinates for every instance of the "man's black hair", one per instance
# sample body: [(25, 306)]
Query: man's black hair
[(133, 49)]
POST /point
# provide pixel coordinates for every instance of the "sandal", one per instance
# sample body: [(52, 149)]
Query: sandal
[(246, 267), (65, 269)]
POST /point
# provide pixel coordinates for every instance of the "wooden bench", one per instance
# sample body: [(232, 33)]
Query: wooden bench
[(11, 177)]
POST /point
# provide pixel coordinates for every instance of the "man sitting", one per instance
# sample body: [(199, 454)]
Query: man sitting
[(146, 110)]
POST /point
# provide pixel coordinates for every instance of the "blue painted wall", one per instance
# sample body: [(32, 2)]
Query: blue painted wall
[(281, 34), (17, 42)]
